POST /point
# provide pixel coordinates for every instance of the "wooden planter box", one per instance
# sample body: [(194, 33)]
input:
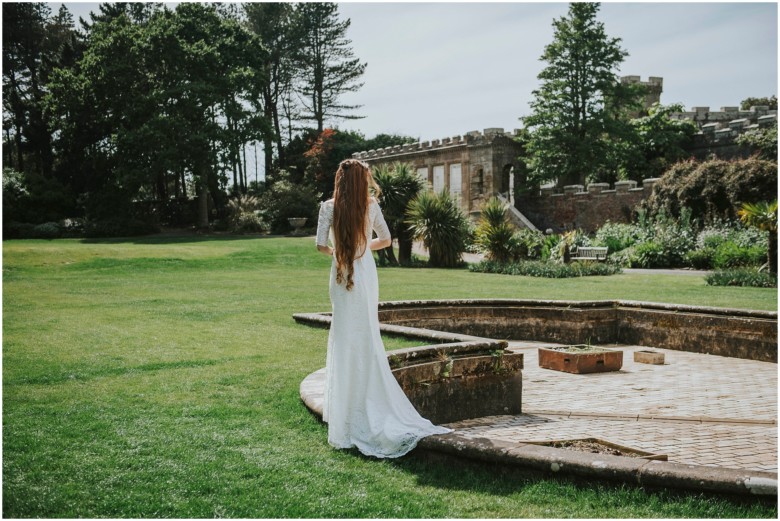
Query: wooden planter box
[(580, 359)]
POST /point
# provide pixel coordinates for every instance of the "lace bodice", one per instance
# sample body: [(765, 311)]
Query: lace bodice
[(375, 222)]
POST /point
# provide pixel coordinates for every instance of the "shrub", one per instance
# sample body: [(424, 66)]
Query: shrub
[(494, 235), (742, 277), (547, 269), (443, 227), (616, 236), (17, 230), (243, 215), (731, 255), (649, 255), (713, 189), (118, 228), (533, 244), (285, 199), (47, 231), (701, 259), (566, 242), (72, 227)]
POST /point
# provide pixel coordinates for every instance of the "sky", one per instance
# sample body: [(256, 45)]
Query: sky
[(443, 69)]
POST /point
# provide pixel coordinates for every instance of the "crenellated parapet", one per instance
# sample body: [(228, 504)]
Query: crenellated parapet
[(473, 138), (602, 189)]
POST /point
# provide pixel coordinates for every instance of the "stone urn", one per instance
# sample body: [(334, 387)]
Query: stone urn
[(297, 223), (580, 359)]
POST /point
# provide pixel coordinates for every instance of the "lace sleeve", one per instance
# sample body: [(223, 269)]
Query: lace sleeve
[(378, 223), (324, 222)]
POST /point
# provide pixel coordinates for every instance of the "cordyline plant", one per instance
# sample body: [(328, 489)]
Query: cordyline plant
[(439, 222), (763, 216)]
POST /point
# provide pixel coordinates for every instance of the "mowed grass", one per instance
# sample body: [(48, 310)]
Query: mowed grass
[(159, 378)]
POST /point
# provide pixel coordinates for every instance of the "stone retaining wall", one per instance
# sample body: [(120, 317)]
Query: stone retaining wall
[(718, 331)]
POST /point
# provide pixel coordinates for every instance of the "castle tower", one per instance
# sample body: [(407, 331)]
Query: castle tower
[(654, 86)]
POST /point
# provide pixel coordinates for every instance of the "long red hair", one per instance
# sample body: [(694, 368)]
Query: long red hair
[(350, 211)]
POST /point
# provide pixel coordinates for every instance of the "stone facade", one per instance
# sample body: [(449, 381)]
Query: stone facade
[(473, 167), (587, 210)]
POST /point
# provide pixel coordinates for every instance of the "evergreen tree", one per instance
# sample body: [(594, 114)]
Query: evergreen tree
[(579, 110), (326, 64), (273, 23)]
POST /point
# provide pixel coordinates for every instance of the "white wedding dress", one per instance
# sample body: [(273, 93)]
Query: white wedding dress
[(364, 406)]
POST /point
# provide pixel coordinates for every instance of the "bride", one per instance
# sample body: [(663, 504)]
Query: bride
[(364, 406)]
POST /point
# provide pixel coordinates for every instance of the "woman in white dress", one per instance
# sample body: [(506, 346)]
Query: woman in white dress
[(364, 406)]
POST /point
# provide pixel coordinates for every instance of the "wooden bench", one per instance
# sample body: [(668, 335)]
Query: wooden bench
[(589, 253)]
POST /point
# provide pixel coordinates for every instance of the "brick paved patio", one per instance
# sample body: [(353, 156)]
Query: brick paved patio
[(697, 409)]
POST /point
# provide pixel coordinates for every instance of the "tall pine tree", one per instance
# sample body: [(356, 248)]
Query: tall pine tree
[(327, 66), (579, 109)]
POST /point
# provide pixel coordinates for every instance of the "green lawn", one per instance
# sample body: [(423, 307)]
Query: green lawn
[(159, 378)]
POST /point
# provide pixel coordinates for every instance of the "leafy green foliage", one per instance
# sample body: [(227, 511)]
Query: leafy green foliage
[(763, 216), (576, 121), (763, 140), (244, 216), (439, 222), (546, 269), (285, 199), (399, 185), (656, 142), (712, 189), (495, 234), (742, 277), (770, 102), (616, 236)]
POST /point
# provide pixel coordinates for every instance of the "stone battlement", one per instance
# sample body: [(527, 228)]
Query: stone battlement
[(600, 188), (728, 119), (584, 208), (472, 138)]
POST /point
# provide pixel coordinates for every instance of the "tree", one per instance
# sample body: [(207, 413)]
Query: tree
[(439, 222), (656, 143), (763, 215), (579, 110), (399, 185), (761, 140), (770, 102), (326, 64), (273, 23)]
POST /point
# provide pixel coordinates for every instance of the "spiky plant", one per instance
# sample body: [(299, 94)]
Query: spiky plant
[(763, 216), (400, 185), (495, 235), (243, 217), (439, 222)]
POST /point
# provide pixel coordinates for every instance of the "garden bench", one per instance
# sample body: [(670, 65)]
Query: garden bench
[(589, 253)]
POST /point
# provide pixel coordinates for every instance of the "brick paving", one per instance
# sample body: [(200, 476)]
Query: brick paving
[(697, 409)]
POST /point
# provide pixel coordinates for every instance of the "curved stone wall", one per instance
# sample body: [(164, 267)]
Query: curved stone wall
[(719, 331)]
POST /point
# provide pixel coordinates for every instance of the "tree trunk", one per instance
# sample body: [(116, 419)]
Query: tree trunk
[(203, 197), (772, 252), (405, 243)]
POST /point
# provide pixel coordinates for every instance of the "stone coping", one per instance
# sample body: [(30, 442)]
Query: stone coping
[(549, 460), (553, 461)]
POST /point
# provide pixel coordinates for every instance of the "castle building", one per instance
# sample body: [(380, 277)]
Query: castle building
[(472, 167)]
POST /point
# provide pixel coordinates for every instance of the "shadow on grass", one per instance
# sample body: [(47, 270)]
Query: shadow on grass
[(183, 238), (452, 473)]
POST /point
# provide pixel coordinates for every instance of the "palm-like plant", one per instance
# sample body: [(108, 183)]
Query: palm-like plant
[(763, 216), (400, 185), (495, 235), (443, 227)]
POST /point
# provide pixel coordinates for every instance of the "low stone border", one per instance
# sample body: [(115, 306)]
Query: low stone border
[(750, 325)]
